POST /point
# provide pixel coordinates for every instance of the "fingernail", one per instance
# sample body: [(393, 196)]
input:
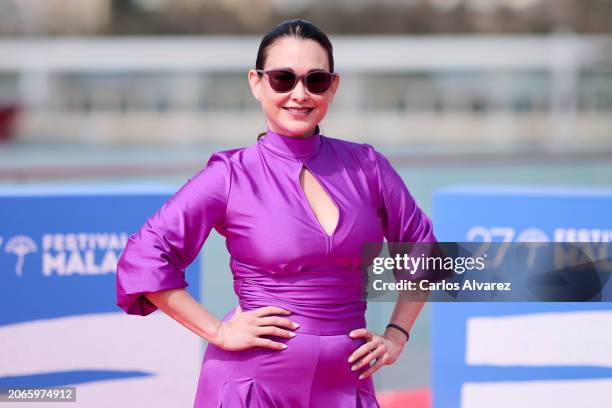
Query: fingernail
[(292, 334), (350, 360), (284, 346), (353, 368), (296, 325), (361, 377)]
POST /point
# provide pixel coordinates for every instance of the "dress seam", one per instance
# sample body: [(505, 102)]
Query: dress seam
[(229, 188), (379, 184), (314, 374)]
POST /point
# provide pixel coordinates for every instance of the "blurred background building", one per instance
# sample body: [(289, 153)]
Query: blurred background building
[(520, 73), (438, 91)]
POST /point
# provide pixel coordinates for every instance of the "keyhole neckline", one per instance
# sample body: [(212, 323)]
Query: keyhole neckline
[(311, 210)]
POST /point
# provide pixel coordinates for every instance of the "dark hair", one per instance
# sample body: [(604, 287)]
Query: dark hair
[(297, 28)]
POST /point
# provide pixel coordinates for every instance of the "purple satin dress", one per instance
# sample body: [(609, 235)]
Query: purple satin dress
[(280, 255)]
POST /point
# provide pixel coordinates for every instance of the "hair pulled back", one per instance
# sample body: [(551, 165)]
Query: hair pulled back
[(296, 28)]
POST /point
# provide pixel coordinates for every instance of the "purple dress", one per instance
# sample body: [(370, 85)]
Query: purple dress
[(280, 255)]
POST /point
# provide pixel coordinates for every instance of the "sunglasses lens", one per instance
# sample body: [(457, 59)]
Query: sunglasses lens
[(281, 81), (318, 82)]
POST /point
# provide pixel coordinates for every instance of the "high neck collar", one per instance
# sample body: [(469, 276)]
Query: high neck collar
[(298, 147)]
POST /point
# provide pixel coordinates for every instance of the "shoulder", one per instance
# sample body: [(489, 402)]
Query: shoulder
[(368, 157), (226, 157), (216, 174), (364, 157), (237, 158)]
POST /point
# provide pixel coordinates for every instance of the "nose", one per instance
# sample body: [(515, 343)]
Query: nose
[(299, 92)]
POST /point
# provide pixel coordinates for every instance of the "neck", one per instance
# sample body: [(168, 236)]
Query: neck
[(293, 146), (311, 132)]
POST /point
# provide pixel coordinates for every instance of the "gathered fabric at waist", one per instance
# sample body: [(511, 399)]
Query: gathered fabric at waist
[(322, 305)]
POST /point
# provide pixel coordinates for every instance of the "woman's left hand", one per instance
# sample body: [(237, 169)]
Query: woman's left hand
[(384, 350)]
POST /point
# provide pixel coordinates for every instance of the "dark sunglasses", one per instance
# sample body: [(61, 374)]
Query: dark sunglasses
[(284, 80)]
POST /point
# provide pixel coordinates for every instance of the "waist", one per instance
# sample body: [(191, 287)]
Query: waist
[(323, 327), (311, 324), (321, 310)]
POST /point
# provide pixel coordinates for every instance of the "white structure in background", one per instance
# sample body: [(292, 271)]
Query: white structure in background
[(540, 340), (551, 91)]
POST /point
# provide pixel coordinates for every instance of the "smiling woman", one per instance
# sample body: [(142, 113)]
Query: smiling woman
[(295, 209), (299, 67)]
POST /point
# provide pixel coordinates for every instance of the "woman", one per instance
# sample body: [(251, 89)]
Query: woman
[(294, 208)]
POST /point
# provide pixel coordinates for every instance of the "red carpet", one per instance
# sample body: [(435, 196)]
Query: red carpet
[(405, 399)]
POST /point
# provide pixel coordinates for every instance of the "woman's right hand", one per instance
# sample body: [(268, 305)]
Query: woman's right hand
[(243, 330)]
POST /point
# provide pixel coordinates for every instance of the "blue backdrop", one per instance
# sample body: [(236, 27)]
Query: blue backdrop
[(477, 213), (58, 253)]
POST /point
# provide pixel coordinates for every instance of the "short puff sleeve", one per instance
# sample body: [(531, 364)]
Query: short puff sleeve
[(155, 257)]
